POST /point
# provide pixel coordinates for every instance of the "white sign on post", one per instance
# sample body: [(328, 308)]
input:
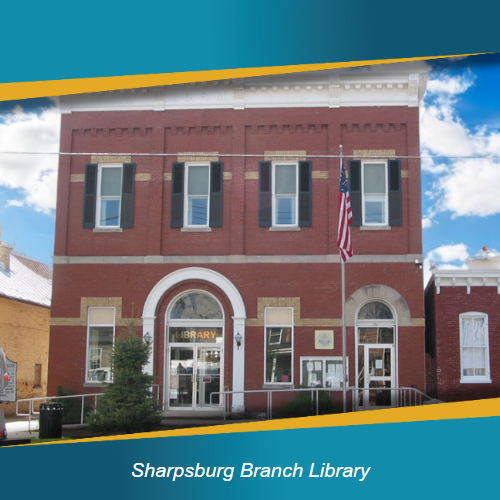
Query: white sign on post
[(8, 374)]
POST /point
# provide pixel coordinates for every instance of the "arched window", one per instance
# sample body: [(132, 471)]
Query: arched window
[(375, 310), (196, 305), (375, 324)]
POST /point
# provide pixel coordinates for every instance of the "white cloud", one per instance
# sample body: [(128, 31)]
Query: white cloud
[(472, 188), (426, 222), (449, 253), (451, 84), (445, 257), (33, 176), (463, 186)]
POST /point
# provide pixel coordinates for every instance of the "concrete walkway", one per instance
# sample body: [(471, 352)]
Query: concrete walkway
[(20, 429)]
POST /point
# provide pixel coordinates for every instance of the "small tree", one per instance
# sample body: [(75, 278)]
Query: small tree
[(127, 405)]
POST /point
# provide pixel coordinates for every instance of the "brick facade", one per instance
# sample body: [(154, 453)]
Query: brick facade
[(443, 312), (261, 263)]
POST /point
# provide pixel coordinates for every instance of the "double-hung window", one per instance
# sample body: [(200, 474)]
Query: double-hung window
[(285, 183), (375, 192), (100, 341), (474, 348), (197, 195), (109, 196), (285, 194), (278, 345)]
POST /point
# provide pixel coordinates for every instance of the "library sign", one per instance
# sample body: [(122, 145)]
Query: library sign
[(207, 335)]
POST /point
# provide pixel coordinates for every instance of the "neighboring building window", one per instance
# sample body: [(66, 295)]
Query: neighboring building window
[(321, 372), (285, 198), (38, 376), (197, 195), (474, 348), (109, 196), (375, 192), (278, 345), (101, 334)]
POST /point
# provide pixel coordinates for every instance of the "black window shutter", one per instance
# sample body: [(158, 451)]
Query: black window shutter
[(216, 170), (395, 201), (177, 207), (265, 194), (89, 199), (128, 188), (355, 191), (305, 193)]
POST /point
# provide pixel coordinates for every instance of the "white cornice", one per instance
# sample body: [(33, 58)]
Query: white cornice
[(466, 278), (331, 88)]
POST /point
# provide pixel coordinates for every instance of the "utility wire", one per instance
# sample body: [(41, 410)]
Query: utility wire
[(228, 155)]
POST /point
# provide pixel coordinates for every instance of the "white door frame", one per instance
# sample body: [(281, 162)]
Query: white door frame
[(194, 376), (238, 306)]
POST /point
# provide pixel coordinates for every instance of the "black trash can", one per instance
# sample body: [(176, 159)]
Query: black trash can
[(51, 416)]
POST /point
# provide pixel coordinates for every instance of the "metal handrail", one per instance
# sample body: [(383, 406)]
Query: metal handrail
[(31, 410), (406, 396)]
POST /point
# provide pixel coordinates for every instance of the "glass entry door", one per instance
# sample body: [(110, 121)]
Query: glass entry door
[(208, 376), (194, 374), (376, 377)]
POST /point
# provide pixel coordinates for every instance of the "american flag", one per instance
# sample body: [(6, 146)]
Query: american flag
[(345, 218)]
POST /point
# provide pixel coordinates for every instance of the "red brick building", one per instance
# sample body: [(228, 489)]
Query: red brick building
[(462, 331), (209, 211)]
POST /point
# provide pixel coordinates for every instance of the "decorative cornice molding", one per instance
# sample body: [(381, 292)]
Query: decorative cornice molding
[(372, 127), (466, 278), (331, 88), (199, 130), (117, 132)]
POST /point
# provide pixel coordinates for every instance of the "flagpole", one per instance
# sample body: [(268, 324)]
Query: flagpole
[(344, 357)]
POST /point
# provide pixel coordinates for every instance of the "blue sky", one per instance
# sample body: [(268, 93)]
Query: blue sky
[(460, 136)]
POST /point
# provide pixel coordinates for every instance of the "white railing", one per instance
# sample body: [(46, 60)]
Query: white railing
[(400, 397), (32, 414), (32, 403)]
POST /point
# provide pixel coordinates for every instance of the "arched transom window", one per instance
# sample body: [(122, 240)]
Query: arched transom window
[(196, 305)]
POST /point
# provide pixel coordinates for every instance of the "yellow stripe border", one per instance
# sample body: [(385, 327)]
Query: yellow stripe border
[(49, 88), (445, 411)]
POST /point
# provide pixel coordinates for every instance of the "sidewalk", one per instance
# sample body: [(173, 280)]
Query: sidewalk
[(20, 429)]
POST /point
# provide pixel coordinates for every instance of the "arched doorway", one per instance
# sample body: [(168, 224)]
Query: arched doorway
[(376, 364), (236, 333), (194, 352)]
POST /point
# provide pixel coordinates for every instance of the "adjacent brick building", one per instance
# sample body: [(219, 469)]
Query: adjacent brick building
[(25, 292), (209, 211), (463, 331)]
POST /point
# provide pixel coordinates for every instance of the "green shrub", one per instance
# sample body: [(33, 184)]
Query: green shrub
[(304, 405), (72, 407), (127, 405)]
